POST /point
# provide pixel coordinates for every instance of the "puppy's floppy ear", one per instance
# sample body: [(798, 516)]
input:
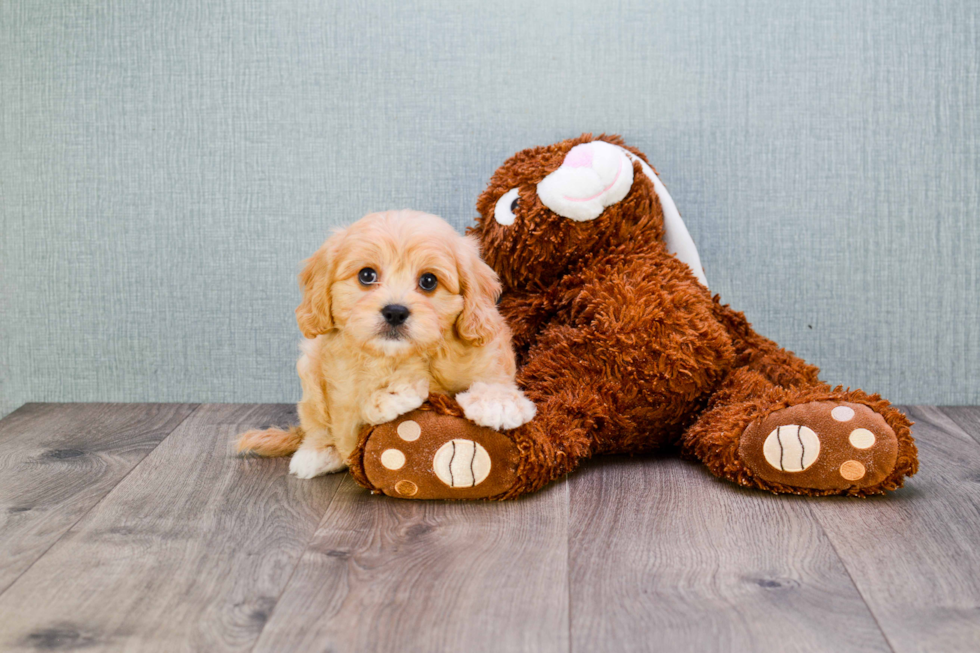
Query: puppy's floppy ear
[(479, 322), (313, 313)]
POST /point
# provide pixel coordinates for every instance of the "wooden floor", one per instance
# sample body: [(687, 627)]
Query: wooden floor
[(134, 527)]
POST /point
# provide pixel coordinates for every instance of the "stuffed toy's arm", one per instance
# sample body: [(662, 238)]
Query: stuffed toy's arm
[(526, 313), (639, 319)]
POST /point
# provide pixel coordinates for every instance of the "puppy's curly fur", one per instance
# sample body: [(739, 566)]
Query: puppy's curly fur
[(359, 367)]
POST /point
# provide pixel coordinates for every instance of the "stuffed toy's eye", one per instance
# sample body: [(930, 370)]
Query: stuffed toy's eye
[(428, 281), (506, 206), (367, 276)]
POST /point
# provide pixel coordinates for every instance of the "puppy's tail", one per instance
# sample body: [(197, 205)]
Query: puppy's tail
[(270, 442)]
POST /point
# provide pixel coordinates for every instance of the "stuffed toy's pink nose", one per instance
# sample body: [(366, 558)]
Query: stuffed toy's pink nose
[(579, 156)]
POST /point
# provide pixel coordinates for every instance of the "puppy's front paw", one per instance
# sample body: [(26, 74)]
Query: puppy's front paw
[(310, 463), (496, 405), (385, 405)]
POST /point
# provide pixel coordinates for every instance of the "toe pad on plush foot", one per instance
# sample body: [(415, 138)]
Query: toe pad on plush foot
[(821, 445)]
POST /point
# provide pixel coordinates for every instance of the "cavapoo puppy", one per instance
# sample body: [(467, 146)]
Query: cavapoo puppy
[(394, 307)]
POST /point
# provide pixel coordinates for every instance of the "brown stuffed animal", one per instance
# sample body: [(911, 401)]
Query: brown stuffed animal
[(624, 350)]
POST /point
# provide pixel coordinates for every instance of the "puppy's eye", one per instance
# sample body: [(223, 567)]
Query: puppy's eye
[(428, 281), (367, 276), (506, 209)]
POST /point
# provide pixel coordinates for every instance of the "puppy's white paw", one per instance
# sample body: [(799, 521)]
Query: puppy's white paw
[(496, 405), (310, 463), (385, 405)]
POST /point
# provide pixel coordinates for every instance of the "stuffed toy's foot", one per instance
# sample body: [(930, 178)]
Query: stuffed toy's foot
[(426, 454), (821, 445)]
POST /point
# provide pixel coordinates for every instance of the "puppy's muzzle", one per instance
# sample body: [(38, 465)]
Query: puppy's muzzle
[(395, 314)]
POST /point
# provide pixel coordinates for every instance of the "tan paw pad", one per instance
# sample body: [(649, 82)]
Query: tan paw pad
[(861, 439), (409, 430), (791, 448), (461, 463), (406, 488), (852, 470), (393, 459), (842, 413)]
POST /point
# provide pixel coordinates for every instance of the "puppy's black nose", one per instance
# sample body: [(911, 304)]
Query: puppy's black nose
[(395, 314)]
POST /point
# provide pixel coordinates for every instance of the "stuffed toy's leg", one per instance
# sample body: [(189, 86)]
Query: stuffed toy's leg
[(773, 425), (769, 423)]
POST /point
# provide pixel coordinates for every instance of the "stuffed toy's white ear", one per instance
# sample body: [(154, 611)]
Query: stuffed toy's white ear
[(676, 236)]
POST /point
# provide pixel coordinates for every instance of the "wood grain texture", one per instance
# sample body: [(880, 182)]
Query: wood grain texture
[(663, 556), (196, 549), (915, 555), (389, 575), (188, 552), (967, 418), (59, 460)]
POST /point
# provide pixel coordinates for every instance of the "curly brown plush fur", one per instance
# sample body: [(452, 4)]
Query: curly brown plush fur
[(624, 351)]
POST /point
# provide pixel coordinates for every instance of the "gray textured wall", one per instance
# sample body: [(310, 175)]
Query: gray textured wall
[(165, 165)]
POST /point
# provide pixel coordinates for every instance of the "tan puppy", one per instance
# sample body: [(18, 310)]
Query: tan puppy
[(396, 306)]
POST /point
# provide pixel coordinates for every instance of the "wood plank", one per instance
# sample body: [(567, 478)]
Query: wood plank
[(663, 556), (188, 552), (59, 460), (915, 555), (967, 418), (389, 575)]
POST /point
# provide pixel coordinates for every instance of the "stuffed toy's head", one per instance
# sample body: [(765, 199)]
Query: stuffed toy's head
[(548, 207)]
